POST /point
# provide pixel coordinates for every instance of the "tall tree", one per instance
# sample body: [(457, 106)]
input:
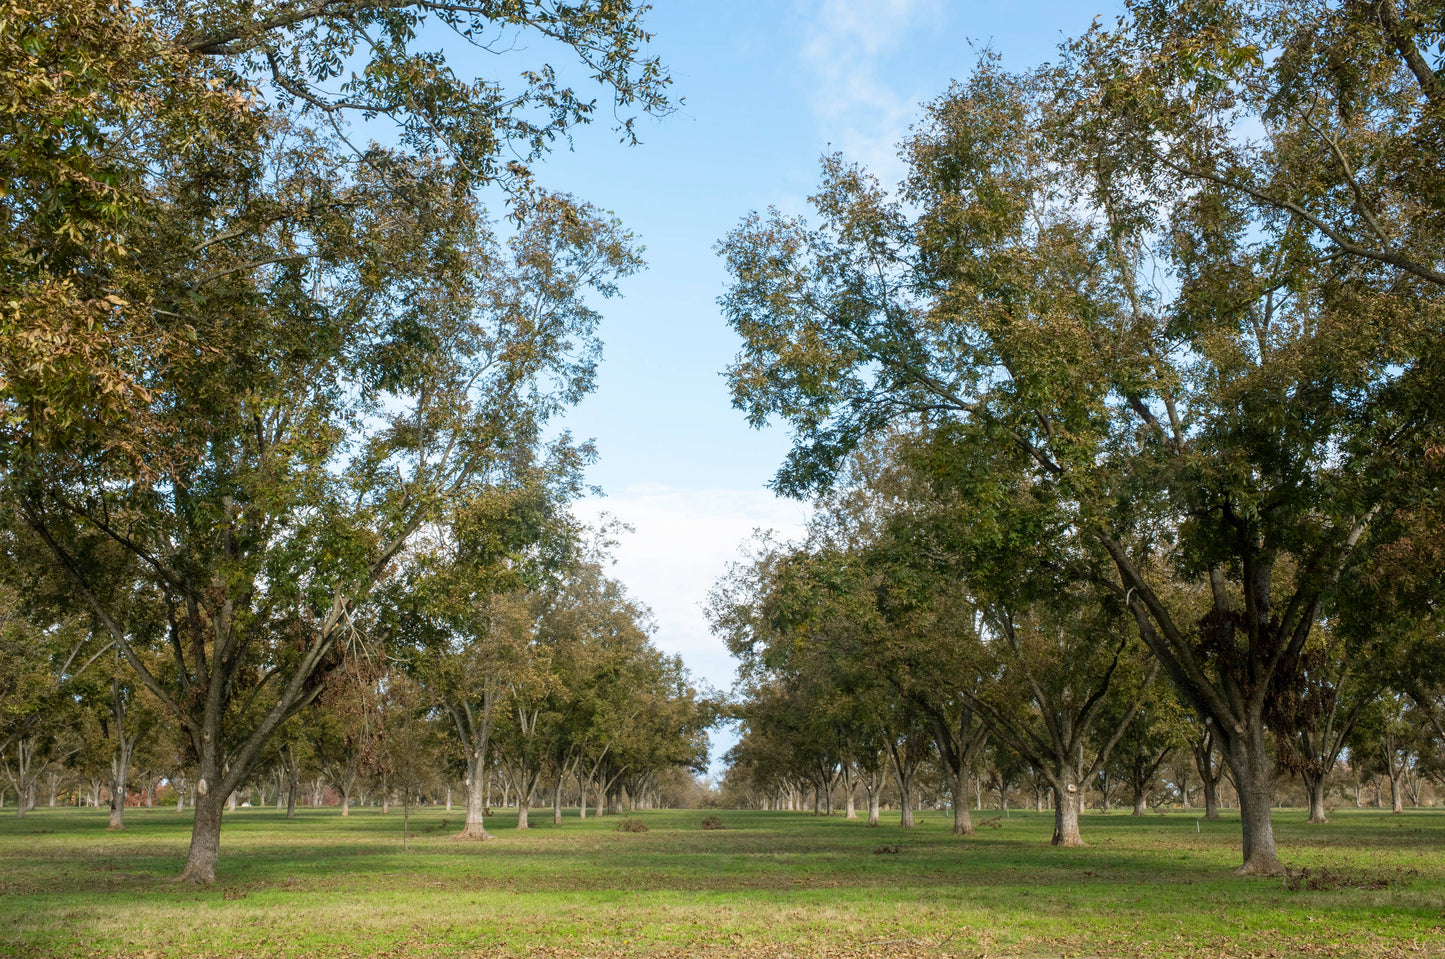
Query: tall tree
[(1227, 411), (296, 350)]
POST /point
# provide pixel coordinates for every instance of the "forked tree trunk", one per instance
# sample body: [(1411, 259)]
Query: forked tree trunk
[(20, 774)]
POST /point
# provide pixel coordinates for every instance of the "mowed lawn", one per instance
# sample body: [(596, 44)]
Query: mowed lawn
[(770, 884)]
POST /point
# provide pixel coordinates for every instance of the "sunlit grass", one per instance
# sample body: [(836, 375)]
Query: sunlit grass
[(770, 884)]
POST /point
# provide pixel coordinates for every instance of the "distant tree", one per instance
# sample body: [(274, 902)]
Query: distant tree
[(295, 353)]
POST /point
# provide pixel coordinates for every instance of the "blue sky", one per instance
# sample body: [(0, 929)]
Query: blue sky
[(768, 89)]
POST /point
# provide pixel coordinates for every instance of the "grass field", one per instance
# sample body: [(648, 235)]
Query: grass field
[(771, 884)]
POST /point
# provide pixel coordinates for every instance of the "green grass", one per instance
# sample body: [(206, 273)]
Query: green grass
[(771, 884)]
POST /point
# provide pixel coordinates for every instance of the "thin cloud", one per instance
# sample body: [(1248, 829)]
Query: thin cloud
[(846, 44), (682, 541)]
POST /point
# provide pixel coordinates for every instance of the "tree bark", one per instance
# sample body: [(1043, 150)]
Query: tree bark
[(474, 827), (962, 822), (120, 758), (293, 783), (1315, 791), (21, 773), (205, 849), (1068, 797), (1253, 770)]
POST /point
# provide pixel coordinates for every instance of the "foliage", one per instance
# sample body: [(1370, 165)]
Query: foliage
[(1176, 334)]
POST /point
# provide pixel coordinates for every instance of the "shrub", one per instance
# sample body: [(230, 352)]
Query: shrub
[(712, 822), (632, 825)]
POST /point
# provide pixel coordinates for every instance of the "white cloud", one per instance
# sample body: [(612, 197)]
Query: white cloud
[(844, 47), (682, 541)]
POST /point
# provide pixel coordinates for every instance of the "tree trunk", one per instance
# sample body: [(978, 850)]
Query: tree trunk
[(205, 849), (962, 822), (1315, 791), (1141, 802), (20, 775), (1211, 798), (293, 785), (1068, 797), (474, 827), (1254, 781)]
